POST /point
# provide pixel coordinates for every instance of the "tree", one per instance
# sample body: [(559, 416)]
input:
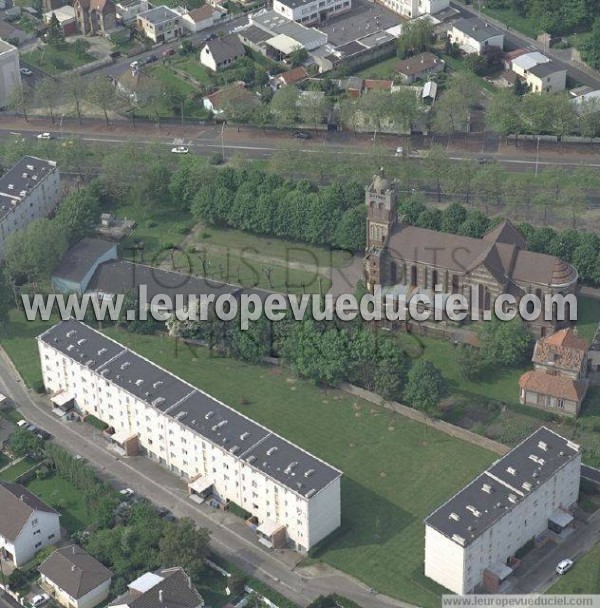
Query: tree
[(48, 93), (237, 103), (25, 443), (506, 343), (183, 544), (503, 113), (350, 232), (437, 163), (78, 214), (74, 88), (425, 386), (284, 106), (589, 118), (350, 112), (417, 36), (469, 361), (55, 35), (19, 101), (261, 116), (590, 46), (236, 584), (102, 93), (298, 56), (451, 112), (453, 218), (314, 107)]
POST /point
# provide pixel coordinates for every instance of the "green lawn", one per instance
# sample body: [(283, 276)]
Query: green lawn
[(194, 68), (522, 24), (588, 317), (18, 339), (12, 473), (11, 414), (395, 471), (172, 81), (4, 460), (384, 69), (287, 251), (583, 578), (54, 60), (65, 498)]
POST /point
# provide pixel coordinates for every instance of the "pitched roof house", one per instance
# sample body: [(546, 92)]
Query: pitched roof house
[(201, 18), (74, 578), (473, 35), (234, 97), (292, 76), (95, 16), (166, 588), (220, 53), (419, 66), (559, 377), (27, 524)]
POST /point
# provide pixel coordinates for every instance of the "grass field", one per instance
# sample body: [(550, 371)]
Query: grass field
[(509, 17), (395, 471), (54, 60), (65, 498), (287, 251), (191, 66), (588, 315), (4, 460), (12, 473), (383, 69), (583, 578)]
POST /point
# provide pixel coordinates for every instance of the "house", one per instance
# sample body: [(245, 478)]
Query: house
[(400, 255), (159, 24), (415, 8), (74, 578), (66, 19), (128, 10), (510, 56), (473, 35), (429, 92), (77, 267), (472, 538), (547, 77), (28, 191), (27, 524), (95, 16), (235, 459), (10, 76), (418, 67), (311, 11), (559, 380), (220, 53), (588, 101), (293, 76), (201, 18), (169, 587), (235, 94), (525, 61)]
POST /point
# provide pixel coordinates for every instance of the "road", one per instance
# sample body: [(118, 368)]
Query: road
[(590, 473), (516, 40), (229, 536)]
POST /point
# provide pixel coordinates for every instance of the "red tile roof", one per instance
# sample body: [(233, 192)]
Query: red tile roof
[(295, 75), (561, 387)]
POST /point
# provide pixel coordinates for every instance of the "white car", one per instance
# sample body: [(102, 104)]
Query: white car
[(134, 64), (26, 71), (399, 151), (38, 600), (564, 566), (126, 492), (22, 423), (180, 150), (44, 136)]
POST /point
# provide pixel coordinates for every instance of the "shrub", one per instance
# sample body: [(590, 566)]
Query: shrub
[(150, 224)]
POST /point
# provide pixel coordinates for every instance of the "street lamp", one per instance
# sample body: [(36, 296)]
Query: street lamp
[(537, 156), (222, 140)]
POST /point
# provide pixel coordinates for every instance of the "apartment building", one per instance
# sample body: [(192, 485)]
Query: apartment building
[(473, 35), (311, 11), (28, 191), (471, 539), (293, 497), (159, 24), (10, 76), (415, 8)]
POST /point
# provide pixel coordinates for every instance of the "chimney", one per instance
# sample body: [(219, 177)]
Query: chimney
[(73, 568), (161, 596)]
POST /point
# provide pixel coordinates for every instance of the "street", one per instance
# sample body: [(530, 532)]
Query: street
[(229, 536)]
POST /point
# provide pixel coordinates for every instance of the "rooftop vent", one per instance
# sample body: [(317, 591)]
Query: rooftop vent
[(290, 467), (157, 384), (139, 382), (487, 488), (454, 516), (244, 435), (181, 415), (473, 510), (458, 539), (158, 401), (527, 486), (209, 415), (30, 167), (251, 459), (311, 493), (271, 451), (541, 462), (70, 333), (126, 365), (235, 449), (543, 446), (533, 457), (513, 498), (511, 471), (101, 351), (309, 472), (82, 341)]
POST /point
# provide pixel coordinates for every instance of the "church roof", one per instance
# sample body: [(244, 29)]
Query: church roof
[(506, 232)]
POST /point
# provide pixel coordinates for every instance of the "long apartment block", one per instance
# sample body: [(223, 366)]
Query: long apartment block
[(293, 497), (28, 191), (471, 540)]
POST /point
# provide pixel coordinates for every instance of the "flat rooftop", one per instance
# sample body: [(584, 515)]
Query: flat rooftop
[(477, 28), (211, 419), (5, 47), (484, 501), (19, 181), (160, 14)]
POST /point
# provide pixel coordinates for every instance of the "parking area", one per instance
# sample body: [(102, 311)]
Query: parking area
[(364, 18)]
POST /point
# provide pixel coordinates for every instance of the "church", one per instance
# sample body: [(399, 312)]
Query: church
[(406, 260)]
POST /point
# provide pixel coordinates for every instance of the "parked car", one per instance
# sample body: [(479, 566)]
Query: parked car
[(151, 58), (180, 150), (484, 161), (26, 71), (168, 52), (564, 566), (210, 37), (134, 64), (43, 435), (22, 423), (38, 600), (32, 428), (301, 135), (126, 492), (44, 136)]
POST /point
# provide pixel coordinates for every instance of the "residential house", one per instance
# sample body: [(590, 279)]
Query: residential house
[(377, 85), (294, 76), (128, 10), (510, 56), (27, 524), (95, 16), (220, 53), (541, 74), (77, 267), (473, 35), (28, 191), (201, 18), (559, 380), (159, 24), (74, 578), (66, 19), (415, 8), (400, 256), (292, 496), (168, 587), (472, 538), (419, 67), (311, 11), (588, 101), (234, 97), (10, 76)]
